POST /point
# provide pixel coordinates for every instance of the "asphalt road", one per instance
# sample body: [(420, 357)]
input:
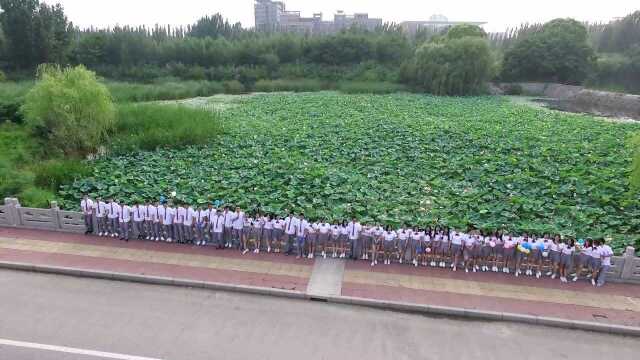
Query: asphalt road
[(54, 317)]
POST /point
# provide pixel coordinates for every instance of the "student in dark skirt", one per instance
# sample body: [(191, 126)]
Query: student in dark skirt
[(583, 259), (567, 249), (509, 252)]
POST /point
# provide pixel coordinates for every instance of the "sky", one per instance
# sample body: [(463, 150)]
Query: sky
[(499, 14)]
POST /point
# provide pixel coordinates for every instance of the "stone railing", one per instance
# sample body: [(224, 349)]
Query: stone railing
[(14, 215), (624, 268)]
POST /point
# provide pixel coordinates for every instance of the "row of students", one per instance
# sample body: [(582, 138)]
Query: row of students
[(436, 247)]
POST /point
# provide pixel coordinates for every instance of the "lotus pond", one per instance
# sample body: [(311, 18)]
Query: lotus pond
[(400, 158)]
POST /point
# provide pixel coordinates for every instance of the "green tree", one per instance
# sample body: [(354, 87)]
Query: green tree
[(70, 109), (453, 67), (559, 52), (51, 34), (464, 30), (16, 19)]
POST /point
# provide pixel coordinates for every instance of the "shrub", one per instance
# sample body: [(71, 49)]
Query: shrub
[(70, 109), (3, 77), (370, 87), (36, 197), (54, 173), (233, 87), (151, 126), (453, 67)]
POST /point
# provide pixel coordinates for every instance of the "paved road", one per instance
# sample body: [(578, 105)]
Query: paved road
[(157, 322)]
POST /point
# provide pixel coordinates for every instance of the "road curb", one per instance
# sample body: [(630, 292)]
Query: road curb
[(346, 300)]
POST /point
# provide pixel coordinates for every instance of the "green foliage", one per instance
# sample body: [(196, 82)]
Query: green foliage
[(453, 67), (173, 90), (17, 152), (634, 177), (465, 30), (36, 32), (620, 35), (233, 87), (36, 197), (400, 158), (54, 173), (620, 72), (296, 85), (70, 109), (152, 126), (3, 77), (370, 87), (559, 52)]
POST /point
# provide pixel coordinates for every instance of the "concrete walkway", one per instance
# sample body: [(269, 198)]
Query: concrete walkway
[(483, 295)]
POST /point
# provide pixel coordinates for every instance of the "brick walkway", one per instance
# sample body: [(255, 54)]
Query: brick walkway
[(614, 303)]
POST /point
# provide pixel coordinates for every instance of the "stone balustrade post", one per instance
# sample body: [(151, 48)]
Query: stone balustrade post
[(55, 214), (11, 206), (627, 268)]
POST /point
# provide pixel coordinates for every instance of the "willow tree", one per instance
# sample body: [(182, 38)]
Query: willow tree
[(70, 109)]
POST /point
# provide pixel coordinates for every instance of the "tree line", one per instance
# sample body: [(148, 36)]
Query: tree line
[(459, 60)]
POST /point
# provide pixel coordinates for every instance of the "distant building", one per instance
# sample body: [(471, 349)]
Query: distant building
[(273, 16), (267, 14), (435, 23)]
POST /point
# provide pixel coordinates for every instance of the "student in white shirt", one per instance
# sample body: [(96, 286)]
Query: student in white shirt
[(388, 243), (509, 252), (87, 207), (153, 212), (291, 224), (247, 230), (149, 211), (415, 245), (376, 243), (257, 227), (301, 235), (201, 218), (554, 256), (125, 222), (365, 241), (566, 258), (324, 233), (138, 220), (278, 234), (178, 220), (312, 239), (169, 214), (457, 242), (343, 240), (228, 227), (113, 215), (436, 245), (402, 240), (216, 228), (334, 240), (606, 253), (353, 232), (101, 217), (267, 232), (237, 236), (583, 259), (596, 262), (469, 243), (187, 224), (497, 251)]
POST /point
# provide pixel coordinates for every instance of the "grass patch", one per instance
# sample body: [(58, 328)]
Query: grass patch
[(152, 126), (133, 92)]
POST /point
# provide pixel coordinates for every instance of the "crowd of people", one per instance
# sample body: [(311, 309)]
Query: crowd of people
[(470, 251)]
